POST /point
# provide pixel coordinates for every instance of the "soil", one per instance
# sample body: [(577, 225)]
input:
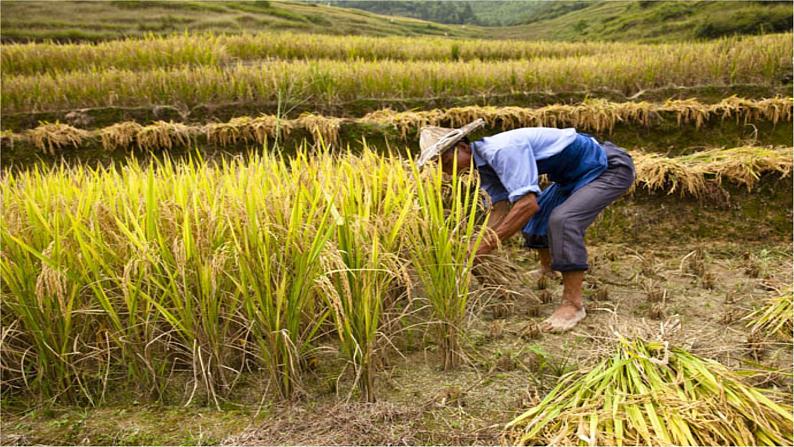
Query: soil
[(509, 366)]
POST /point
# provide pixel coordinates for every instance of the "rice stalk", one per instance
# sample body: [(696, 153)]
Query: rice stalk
[(774, 318), (120, 135), (211, 49), (445, 240), (325, 130), (52, 137), (278, 243), (164, 135), (645, 393), (364, 264)]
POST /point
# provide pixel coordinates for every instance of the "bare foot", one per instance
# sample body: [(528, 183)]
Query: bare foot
[(564, 318)]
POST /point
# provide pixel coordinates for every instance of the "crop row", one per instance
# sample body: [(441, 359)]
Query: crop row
[(125, 275), (129, 275), (592, 115), (331, 81), (213, 50)]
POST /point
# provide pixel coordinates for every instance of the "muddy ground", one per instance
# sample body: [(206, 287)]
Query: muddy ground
[(707, 289)]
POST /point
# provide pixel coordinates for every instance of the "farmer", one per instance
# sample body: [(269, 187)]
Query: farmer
[(587, 176)]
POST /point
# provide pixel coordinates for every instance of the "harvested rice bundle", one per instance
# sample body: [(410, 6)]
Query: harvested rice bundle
[(404, 122), (688, 111), (245, 129), (164, 135), (743, 165), (323, 129), (777, 109), (51, 137), (774, 318), (739, 108), (647, 394), (119, 135), (656, 172)]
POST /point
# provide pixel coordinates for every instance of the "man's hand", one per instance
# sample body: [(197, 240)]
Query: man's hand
[(507, 224)]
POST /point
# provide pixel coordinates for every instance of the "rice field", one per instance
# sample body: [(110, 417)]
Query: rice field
[(219, 50), (749, 61), (300, 269)]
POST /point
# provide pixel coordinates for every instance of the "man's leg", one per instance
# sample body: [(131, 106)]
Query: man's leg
[(545, 262), (567, 225)]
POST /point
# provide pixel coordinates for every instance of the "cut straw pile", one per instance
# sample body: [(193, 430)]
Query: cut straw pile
[(688, 174), (775, 318), (647, 394)]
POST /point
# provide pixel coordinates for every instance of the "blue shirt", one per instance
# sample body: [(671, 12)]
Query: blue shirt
[(507, 162)]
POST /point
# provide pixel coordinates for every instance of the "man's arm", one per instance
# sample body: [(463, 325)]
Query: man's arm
[(497, 213), (509, 223)]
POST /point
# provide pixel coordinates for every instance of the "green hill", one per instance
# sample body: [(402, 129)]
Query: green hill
[(652, 21), (598, 20), (486, 13), (102, 20)]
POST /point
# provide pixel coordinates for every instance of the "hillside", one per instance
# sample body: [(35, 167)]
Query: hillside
[(657, 21), (97, 21), (599, 20), (485, 13)]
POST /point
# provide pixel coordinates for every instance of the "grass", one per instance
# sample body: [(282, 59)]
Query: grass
[(646, 393), (625, 20), (762, 60)]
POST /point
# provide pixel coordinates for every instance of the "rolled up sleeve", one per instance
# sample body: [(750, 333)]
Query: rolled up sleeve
[(490, 182), (517, 171)]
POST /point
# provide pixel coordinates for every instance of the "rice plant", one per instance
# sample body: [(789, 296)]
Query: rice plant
[(278, 241), (445, 241), (645, 393), (142, 274), (366, 265)]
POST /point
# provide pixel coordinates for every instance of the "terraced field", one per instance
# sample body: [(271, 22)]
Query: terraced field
[(230, 222)]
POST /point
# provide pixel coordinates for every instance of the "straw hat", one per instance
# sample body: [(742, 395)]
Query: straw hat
[(434, 141)]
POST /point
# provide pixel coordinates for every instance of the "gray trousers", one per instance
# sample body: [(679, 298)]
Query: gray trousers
[(570, 219)]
